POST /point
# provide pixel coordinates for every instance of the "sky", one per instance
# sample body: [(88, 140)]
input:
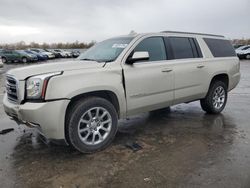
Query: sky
[(86, 20)]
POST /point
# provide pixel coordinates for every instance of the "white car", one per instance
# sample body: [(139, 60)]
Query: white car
[(243, 52), (61, 52), (68, 53), (81, 101)]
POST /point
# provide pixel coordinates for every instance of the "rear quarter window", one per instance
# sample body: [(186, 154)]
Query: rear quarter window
[(220, 47)]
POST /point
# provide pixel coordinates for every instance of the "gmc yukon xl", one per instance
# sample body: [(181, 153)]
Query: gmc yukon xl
[(81, 101)]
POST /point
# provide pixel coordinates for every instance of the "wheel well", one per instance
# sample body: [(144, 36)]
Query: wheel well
[(108, 95), (221, 77)]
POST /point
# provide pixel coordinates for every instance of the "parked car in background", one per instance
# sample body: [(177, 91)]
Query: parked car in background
[(56, 53), (75, 53), (60, 52), (30, 57), (16, 56), (243, 52), (40, 56), (81, 101), (68, 53), (49, 54)]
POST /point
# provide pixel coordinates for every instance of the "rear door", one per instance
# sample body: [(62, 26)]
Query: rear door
[(149, 84), (189, 67)]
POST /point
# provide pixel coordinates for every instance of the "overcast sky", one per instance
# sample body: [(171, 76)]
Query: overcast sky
[(86, 20)]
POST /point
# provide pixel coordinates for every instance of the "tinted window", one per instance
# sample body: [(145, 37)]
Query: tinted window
[(182, 48), (154, 46), (220, 47)]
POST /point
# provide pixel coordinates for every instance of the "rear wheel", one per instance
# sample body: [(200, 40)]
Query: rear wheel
[(91, 124), (24, 60), (216, 98)]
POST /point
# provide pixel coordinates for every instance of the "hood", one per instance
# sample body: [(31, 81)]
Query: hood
[(238, 50), (24, 72)]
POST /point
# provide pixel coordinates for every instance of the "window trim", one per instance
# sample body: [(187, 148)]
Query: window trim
[(198, 48)]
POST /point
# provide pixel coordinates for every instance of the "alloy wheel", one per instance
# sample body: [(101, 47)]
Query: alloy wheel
[(94, 126), (219, 97)]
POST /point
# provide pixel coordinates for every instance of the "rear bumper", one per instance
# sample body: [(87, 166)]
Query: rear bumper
[(47, 117)]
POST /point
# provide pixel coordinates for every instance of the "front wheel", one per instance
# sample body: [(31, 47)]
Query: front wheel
[(91, 124), (248, 56), (216, 98)]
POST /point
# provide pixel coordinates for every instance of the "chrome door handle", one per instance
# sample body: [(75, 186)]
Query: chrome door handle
[(200, 66), (167, 70)]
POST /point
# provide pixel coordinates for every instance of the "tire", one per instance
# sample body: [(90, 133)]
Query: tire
[(4, 60), (94, 127), (216, 98), (247, 56), (24, 60)]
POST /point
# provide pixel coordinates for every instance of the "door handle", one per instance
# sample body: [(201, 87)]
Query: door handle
[(167, 70), (200, 66)]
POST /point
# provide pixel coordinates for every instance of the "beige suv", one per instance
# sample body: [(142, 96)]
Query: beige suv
[(81, 101)]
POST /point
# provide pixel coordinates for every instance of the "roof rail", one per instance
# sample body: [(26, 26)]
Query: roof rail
[(180, 32)]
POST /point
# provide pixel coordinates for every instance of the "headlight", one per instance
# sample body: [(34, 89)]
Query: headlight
[(36, 86)]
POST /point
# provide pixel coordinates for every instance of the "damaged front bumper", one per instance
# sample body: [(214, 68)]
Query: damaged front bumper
[(47, 117)]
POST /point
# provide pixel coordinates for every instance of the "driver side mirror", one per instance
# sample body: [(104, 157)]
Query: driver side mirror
[(138, 56)]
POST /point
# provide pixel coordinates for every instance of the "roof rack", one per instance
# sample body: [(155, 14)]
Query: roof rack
[(180, 32)]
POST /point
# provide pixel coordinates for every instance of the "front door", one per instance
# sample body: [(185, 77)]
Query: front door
[(149, 84)]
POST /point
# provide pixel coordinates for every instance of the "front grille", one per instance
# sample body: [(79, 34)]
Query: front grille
[(11, 88)]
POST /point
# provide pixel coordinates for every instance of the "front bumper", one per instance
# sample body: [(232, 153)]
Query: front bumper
[(241, 56), (51, 56), (47, 117)]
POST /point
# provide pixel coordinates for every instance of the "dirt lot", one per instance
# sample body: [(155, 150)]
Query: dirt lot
[(181, 147)]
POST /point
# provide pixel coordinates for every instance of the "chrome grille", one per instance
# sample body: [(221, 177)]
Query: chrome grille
[(11, 88)]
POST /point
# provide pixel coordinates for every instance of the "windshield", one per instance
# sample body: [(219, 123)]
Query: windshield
[(245, 48), (241, 48), (107, 50)]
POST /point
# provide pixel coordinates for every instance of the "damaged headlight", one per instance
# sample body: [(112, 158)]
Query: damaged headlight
[(36, 85)]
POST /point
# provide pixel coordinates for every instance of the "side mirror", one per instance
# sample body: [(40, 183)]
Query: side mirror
[(138, 56)]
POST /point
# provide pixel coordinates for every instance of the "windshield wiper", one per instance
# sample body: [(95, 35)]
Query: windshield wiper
[(87, 59), (107, 61)]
